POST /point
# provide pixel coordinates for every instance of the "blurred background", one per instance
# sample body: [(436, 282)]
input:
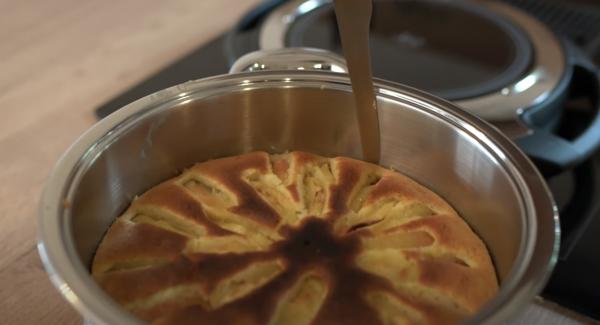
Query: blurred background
[(65, 64)]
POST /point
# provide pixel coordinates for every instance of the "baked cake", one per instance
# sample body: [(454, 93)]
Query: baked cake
[(293, 239)]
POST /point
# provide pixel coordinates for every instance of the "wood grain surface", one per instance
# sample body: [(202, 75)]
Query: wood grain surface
[(59, 60)]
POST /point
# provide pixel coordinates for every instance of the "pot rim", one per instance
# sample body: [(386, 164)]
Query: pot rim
[(540, 238)]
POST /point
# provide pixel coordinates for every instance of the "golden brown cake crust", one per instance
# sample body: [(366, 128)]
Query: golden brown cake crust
[(293, 239)]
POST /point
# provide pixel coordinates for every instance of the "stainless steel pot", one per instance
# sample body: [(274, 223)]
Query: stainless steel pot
[(471, 164)]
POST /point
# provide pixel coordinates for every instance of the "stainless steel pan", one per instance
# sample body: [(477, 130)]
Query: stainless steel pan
[(471, 164)]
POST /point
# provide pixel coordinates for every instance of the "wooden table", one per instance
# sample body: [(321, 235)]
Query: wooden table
[(59, 60)]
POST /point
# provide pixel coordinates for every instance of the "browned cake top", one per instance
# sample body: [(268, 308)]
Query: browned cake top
[(293, 239)]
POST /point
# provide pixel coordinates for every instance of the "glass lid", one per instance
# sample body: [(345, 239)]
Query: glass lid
[(451, 49)]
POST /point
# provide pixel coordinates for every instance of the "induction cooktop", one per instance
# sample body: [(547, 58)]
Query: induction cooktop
[(575, 283)]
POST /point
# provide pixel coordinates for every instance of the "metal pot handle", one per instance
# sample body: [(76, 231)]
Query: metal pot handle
[(553, 153), (299, 58)]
